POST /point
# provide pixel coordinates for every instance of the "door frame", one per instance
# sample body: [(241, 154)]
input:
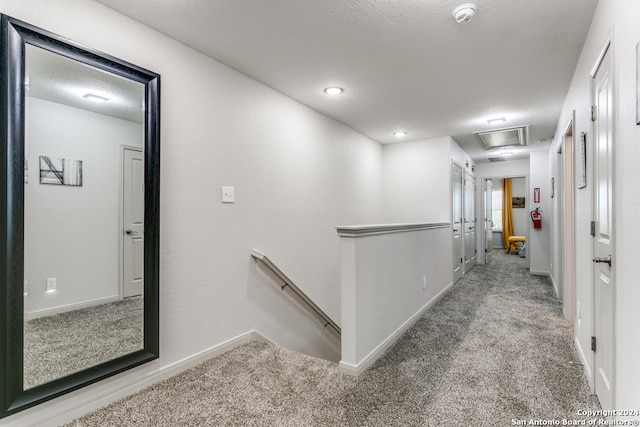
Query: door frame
[(527, 205), (121, 225), (484, 231), (567, 218)]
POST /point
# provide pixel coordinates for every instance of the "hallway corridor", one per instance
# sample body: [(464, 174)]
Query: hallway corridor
[(495, 351)]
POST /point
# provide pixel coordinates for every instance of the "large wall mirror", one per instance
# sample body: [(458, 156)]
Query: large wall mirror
[(79, 177)]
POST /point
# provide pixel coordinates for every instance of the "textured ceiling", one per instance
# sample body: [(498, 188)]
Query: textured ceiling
[(404, 64), (53, 77)]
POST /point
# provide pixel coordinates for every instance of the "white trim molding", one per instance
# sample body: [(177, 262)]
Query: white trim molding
[(369, 359), (99, 395), (373, 229)]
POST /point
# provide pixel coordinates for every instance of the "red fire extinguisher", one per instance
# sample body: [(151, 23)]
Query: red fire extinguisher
[(536, 217)]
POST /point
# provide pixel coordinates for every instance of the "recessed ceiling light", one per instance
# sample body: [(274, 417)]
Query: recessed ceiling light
[(400, 134), (94, 98), (496, 120), (333, 90)]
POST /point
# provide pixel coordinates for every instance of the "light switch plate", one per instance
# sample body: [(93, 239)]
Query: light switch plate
[(228, 194)]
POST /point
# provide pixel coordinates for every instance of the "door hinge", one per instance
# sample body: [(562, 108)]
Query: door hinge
[(461, 261), (593, 229), (594, 110), (593, 344)]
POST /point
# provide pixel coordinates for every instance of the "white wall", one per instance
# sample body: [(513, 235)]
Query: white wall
[(617, 20), (415, 189), (297, 174), (461, 157), (72, 233), (509, 169), (416, 181), (538, 246), (389, 278)]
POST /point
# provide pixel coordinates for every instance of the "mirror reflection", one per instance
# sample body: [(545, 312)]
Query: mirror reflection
[(83, 216)]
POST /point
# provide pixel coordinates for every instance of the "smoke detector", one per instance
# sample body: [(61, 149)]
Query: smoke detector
[(464, 12)]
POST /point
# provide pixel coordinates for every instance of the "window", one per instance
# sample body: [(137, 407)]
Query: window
[(496, 206)]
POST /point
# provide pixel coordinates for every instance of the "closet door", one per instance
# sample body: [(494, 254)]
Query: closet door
[(469, 222), (456, 221)]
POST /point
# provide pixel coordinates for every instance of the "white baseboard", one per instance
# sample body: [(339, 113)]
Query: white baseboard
[(555, 286), (586, 366), (376, 353), (30, 315), (539, 272), (90, 400)]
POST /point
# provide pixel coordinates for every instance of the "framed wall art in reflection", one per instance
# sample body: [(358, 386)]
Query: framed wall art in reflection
[(54, 170)]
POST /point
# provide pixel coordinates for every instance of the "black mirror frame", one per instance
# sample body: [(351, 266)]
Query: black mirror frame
[(14, 34)]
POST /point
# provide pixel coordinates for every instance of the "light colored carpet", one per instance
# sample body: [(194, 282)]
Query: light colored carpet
[(55, 346), (493, 350)]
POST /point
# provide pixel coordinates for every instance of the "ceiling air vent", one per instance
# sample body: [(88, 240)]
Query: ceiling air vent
[(504, 137), (496, 159)]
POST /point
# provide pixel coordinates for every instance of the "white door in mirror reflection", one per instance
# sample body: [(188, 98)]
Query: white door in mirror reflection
[(133, 222)]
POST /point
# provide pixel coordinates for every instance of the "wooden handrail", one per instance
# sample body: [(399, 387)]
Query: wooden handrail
[(259, 256)]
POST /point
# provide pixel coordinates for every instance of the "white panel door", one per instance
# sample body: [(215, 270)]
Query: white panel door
[(456, 220), (604, 286), (488, 221), (469, 220), (133, 222)]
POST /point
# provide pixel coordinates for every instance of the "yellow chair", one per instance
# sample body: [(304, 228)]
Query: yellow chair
[(513, 242)]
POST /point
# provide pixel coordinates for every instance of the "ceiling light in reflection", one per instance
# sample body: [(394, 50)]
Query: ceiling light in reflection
[(333, 90), (95, 98)]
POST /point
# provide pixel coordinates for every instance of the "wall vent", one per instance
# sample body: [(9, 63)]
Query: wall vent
[(496, 159), (504, 137)]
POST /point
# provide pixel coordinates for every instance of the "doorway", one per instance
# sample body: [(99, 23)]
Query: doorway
[(132, 222), (456, 221), (469, 221), (492, 227)]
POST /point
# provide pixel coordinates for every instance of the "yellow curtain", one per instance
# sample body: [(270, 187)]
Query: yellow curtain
[(507, 217)]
